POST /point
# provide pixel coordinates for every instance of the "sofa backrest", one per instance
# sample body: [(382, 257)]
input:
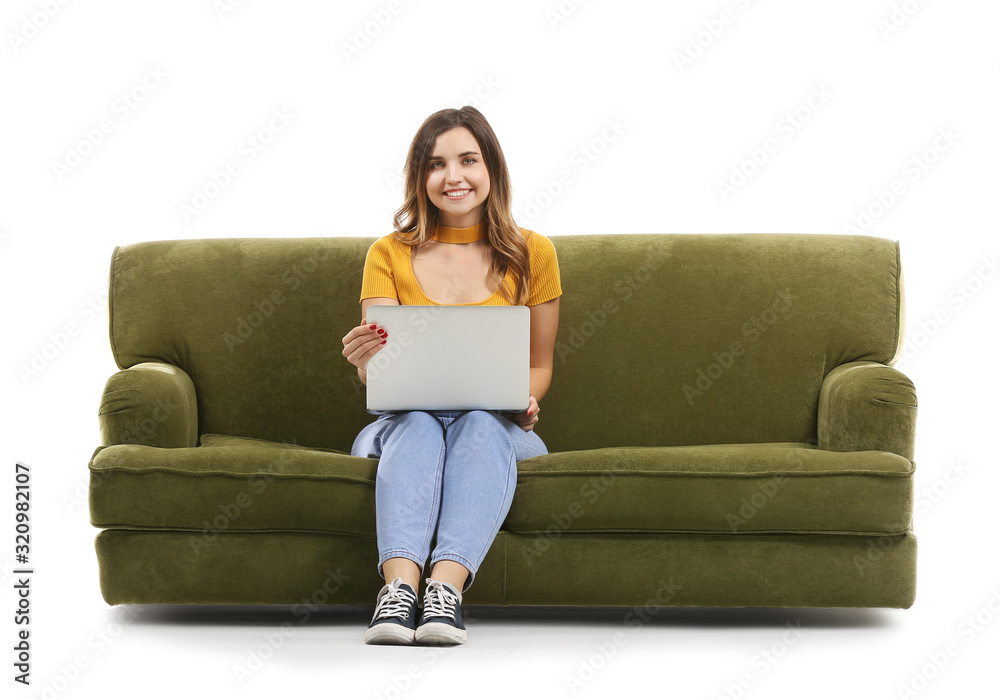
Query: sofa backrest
[(664, 339)]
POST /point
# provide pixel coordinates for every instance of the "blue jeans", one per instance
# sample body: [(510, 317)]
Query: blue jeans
[(453, 471)]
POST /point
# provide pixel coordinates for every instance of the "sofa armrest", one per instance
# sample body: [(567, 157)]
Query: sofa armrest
[(151, 403), (867, 406)]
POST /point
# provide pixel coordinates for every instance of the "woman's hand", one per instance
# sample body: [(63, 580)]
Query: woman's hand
[(526, 419), (361, 344)]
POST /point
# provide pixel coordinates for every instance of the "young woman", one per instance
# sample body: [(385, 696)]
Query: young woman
[(456, 243)]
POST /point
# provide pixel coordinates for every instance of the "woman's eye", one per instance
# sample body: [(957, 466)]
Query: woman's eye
[(437, 162)]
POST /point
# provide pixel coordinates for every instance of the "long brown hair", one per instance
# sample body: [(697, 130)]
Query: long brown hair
[(419, 216)]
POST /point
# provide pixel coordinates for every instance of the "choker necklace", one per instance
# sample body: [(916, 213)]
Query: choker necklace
[(450, 234)]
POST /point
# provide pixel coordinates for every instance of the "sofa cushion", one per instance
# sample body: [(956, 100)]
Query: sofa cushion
[(232, 483), (784, 487), (238, 483)]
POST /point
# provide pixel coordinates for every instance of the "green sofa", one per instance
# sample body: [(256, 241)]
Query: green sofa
[(724, 424)]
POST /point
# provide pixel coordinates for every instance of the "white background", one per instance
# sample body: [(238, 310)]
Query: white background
[(549, 77)]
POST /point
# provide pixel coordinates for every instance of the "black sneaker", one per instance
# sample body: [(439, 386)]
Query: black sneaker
[(395, 618), (441, 620)]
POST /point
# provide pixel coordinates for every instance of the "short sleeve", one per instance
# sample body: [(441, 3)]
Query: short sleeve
[(378, 279), (545, 282)]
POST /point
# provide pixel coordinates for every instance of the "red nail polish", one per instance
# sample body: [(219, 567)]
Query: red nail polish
[(372, 326)]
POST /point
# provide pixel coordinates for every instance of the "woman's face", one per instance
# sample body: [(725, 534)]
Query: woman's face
[(456, 165)]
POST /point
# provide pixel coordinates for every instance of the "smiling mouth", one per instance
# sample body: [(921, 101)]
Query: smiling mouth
[(457, 194)]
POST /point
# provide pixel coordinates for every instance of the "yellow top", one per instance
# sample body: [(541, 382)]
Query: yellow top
[(389, 272)]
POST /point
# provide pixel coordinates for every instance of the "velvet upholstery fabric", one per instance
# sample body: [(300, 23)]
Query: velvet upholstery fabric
[(723, 410), (754, 487)]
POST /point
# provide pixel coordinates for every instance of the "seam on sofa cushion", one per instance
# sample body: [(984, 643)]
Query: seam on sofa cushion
[(671, 531), (725, 475), (737, 533), (233, 475), (574, 472), (150, 528)]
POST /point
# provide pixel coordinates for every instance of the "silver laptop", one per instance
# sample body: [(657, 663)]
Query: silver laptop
[(450, 358)]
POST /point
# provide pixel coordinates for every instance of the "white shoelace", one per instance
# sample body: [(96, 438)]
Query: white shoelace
[(396, 602), (438, 600)]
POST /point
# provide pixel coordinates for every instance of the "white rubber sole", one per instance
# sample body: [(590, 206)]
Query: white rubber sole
[(388, 633), (440, 633)]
